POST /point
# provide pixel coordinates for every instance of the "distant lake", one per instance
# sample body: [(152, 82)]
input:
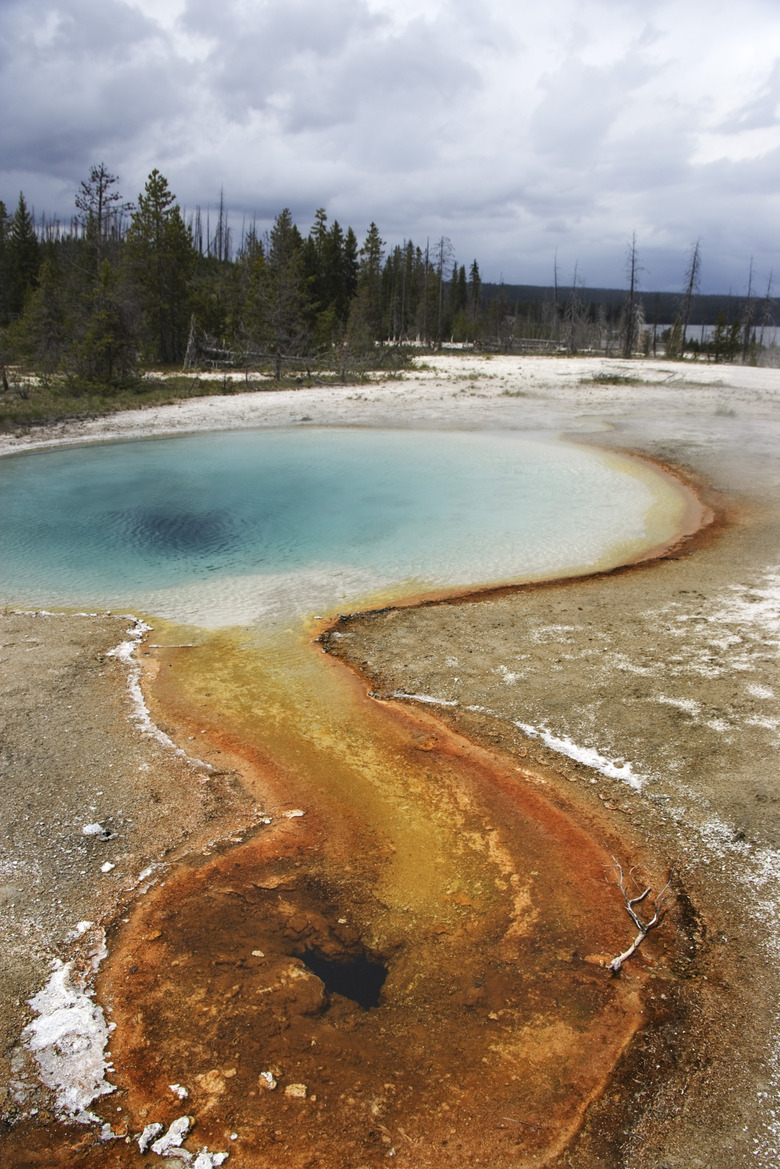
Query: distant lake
[(768, 335)]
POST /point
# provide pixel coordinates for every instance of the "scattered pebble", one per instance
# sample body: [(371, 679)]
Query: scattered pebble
[(97, 830), (174, 1138), (150, 1133)]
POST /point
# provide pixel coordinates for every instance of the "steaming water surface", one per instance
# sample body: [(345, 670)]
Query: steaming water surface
[(221, 528)]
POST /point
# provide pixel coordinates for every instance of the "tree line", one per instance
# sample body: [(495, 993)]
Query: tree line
[(130, 286)]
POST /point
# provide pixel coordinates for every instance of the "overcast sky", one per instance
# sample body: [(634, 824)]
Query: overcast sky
[(518, 129)]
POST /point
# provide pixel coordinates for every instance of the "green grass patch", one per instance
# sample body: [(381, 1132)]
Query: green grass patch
[(38, 402)]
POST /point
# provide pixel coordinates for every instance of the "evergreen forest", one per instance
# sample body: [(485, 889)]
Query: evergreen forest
[(125, 288)]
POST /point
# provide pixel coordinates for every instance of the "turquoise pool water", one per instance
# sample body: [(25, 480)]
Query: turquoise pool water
[(229, 527)]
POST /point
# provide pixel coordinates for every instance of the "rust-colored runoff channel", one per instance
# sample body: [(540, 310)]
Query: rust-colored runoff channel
[(423, 865)]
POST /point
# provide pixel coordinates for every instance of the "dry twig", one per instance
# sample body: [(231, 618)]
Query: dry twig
[(644, 927)]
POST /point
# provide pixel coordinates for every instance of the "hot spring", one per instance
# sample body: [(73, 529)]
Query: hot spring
[(392, 850), (225, 528)]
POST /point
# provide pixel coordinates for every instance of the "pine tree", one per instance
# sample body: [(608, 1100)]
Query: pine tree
[(320, 262), (105, 352), (475, 292), (458, 301), (23, 257), (5, 229), (733, 342), (161, 258), (351, 268), (460, 292), (278, 301), (719, 338), (40, 336), (369, 282), (338, 278)]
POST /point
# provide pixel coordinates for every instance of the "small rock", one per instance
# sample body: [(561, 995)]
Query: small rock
[(107, 867), (97, 830), (298, 1091), (174, 1137), (267, 1080), (149, 1134), (179, 1091)]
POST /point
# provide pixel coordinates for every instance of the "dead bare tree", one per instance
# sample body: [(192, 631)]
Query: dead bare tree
[(632, 314), (623, 882), (691, 287), (576, 313), (443, 254), (766, 319), (748, 316), (102, 210)]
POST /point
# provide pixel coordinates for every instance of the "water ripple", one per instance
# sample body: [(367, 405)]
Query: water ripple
[(176, 534)]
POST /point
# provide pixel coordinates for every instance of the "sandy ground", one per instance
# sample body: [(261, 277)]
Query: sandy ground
[(669, 668)]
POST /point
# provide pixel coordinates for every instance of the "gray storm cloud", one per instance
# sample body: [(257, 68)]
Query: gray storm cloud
[(513, 130)]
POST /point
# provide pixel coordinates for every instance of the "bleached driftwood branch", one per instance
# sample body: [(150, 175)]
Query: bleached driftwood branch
[(644, 927)]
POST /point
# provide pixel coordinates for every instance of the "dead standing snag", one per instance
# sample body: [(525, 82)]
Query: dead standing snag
[(619, 881)]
